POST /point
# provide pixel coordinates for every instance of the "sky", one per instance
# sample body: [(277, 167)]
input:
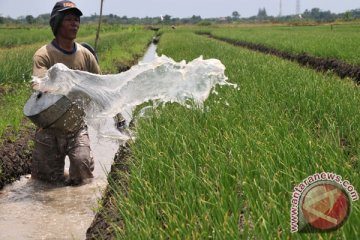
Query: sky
[(177, 8)]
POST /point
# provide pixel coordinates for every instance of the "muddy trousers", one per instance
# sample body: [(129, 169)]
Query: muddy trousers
[(51, 148)]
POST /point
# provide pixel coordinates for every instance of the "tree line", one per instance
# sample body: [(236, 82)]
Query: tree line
[(314, 14)]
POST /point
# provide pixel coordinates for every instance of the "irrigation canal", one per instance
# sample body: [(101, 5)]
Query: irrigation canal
[(31, 209)]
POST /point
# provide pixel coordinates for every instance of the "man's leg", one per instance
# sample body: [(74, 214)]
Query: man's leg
[(48, 157), (81, 161)]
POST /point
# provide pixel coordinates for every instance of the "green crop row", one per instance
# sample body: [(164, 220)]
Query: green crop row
[(119, 51), (15, 74), (12, 37), (228, 171), (338, 41)]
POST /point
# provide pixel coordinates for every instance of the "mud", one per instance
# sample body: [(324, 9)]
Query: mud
[(16, 153), (108, 217), (341, 68)]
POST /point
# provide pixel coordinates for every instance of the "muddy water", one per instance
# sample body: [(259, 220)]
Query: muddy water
[(150, 54), (31, 209)]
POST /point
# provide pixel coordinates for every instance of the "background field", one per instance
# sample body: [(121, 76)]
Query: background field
[(330, 41), (228, 171)]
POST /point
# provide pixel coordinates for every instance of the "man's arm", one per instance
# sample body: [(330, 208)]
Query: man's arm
[(40, 66), (93, 66)]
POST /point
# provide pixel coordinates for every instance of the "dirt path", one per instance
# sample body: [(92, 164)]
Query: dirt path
[(15, 154), (108, 215), (341, 68)]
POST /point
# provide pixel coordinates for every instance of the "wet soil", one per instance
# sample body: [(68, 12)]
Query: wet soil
[(16, 153), (341, 68), (108, 217)]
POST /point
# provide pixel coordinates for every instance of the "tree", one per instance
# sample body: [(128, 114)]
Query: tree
[(43, 18), (167, 18), (318, 15), (347, 16), (235, 15), (195, 19), (29, 19), (355, 13), (262, 13), (315, 13)]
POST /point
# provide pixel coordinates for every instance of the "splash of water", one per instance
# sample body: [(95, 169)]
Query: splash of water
[(161, 80)]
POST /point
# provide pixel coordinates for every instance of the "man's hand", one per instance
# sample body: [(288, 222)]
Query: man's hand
[(35, 85)]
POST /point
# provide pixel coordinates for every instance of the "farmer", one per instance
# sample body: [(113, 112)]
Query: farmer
[(52, 144)]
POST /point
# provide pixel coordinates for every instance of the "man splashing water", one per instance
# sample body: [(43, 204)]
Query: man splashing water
[(54, 143), (162, 80)]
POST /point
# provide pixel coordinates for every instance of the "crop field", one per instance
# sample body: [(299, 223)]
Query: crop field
[(226, 171), (338, 41)]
